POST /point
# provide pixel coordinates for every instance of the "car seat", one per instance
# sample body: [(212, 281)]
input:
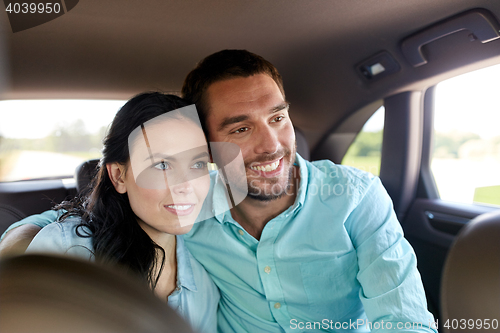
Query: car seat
[(56, 294), (9, 215), (84, 174), (470, 286)]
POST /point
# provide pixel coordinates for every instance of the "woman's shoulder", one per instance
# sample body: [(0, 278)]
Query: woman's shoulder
[(64, 237)]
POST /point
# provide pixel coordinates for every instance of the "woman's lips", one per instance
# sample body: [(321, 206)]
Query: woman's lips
[(180, 209)]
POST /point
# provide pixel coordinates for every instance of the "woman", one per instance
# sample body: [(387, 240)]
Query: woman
[(150, 187)]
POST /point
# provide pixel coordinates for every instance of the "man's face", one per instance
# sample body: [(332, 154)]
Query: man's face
[(252, 113)]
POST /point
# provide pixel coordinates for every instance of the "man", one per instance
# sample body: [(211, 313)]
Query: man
[(314, 246)]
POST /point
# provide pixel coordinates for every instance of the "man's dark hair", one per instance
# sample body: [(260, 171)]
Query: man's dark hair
[(223, 65)]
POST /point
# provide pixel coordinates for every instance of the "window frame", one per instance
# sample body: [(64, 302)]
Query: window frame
[(334, 145), (427, 186)]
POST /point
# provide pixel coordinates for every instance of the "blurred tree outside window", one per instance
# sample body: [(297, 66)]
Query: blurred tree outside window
[(365, 152), (466, 155), (41, 139)]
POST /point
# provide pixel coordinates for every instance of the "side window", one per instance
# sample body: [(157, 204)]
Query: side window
[(50, 138), (466, 156), (365, 152)]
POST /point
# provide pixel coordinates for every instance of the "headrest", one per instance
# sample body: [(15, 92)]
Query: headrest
[(302, 146), (56, 294), (470, 285), (84, 174)]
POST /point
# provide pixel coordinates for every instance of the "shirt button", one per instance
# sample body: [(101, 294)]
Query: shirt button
[(267, 269), (241, 232), (277, 305)]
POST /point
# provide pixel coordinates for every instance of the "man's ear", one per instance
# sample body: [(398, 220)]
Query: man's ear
[(116, 173)]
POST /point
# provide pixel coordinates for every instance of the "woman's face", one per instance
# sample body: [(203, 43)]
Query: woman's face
[(167, 178)]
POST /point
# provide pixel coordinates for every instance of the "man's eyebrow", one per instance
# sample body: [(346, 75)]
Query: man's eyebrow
[(234, 120), (284, 105), (231, 120)]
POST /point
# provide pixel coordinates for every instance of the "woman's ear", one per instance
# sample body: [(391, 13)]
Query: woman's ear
[(116, 173)]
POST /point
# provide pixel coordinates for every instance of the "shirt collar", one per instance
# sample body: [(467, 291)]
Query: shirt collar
[(304, 181), (185, 276), (220, 203)]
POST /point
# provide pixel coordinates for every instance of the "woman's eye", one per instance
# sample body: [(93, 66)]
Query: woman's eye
[(162, 166), (241, 130), (199, 165)]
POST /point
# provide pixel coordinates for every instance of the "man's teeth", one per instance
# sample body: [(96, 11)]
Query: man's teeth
[(266, 168), (179, 207)]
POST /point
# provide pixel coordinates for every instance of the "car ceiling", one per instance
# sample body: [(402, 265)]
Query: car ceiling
[(116, 48)]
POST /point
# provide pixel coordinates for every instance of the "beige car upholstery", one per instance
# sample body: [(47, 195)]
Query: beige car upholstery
[(55, 294), (470, 286)]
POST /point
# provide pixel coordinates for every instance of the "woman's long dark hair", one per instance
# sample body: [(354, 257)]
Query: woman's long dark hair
[(113, 226)]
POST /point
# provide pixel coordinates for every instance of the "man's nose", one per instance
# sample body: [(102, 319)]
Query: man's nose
[(267, 141)]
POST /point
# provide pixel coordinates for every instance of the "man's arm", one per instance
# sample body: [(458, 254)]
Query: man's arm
[(19, 235), (392, 291)]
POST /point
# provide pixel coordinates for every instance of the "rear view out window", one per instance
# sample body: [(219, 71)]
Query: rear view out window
[(365, 152), (466, 155), (50, 138)]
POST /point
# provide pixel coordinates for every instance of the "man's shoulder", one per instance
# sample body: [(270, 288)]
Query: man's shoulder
[(68, 225), (327, 171), (345, 185), (63, 237)]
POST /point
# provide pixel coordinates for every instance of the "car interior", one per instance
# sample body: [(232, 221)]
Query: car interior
[(341, 61)]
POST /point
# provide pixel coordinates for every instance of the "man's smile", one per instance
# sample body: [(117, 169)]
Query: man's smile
[(266, 167)]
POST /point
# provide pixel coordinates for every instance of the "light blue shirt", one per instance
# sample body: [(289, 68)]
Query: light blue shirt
[(195, 298), (336, 260)]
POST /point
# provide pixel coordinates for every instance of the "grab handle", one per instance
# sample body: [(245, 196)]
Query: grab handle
[(479, 22)]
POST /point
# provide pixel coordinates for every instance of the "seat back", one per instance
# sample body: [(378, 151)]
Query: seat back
[(84, 174), (470, 286), (302, 145), (9, 215), (56, 294)]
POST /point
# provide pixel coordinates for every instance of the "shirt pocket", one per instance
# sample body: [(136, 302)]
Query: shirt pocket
[(331, 285)]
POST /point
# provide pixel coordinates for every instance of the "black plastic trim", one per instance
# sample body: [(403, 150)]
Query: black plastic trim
[(401, 148)]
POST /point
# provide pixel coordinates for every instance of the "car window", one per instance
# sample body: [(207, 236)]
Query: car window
[(50, 138), (466, 156), (365, 152)]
